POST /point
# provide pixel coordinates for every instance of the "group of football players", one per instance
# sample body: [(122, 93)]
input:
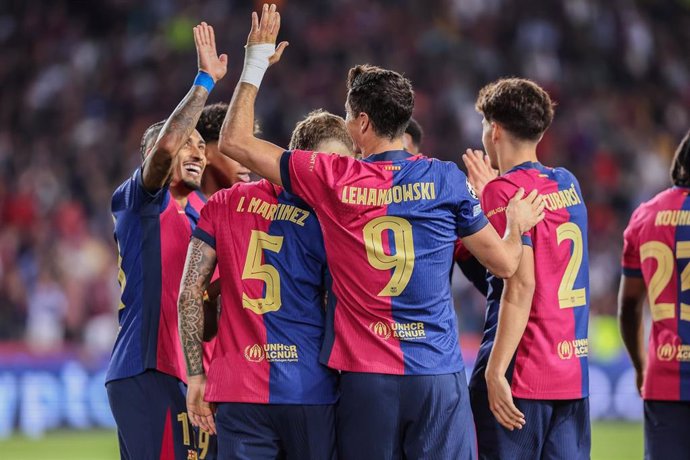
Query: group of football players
[(308, 315)]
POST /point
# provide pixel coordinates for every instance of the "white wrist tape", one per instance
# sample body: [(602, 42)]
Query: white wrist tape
[(256, 63)]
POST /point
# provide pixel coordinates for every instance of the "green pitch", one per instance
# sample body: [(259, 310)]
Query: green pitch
[(610, 441)]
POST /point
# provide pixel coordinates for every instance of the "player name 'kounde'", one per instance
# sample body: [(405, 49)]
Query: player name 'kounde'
[(382, 196)]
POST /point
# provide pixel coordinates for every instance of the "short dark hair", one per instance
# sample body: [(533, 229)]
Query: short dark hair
[(415, 131), (211, 121), (149, 137), (680, 168), (317, 127), (521, 106), (384, 95)]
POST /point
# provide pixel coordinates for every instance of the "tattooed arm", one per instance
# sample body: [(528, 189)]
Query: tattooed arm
[(181, 123), (201, 261)]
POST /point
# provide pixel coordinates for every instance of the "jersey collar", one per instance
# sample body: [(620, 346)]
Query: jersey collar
[(390, 155), (526, 165)]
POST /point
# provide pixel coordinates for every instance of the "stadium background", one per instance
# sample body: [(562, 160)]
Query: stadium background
[(81, 80)]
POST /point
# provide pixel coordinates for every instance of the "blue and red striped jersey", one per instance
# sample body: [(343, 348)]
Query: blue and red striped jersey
[(152, 234), (272, 266), (390, 223), (551, 359), (657, 248)]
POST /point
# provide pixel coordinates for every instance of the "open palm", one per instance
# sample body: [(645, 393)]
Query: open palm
[(207, 56)]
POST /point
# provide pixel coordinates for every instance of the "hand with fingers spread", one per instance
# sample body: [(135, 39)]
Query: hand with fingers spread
[(525, 212), (265, 31), (207, 56), (199, 411), (501, 403), (479, 170)]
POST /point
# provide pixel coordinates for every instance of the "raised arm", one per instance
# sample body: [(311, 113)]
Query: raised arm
[(630, 302), (199, 266), (237, 139), (513, 314), (502, 256), (180, 125)]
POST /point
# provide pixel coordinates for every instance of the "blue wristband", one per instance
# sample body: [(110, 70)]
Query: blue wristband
[(205, 80)]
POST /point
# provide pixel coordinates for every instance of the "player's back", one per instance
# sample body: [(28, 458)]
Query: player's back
[(554, 346), (271, 262), (390, 223), (657, 248)]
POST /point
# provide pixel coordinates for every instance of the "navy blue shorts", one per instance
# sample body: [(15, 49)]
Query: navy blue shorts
[(275, 431), (554, 429), (151, 416), (666, 430), (404, 416)]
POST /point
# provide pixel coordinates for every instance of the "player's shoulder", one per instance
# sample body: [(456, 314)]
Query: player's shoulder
[(664, 200)]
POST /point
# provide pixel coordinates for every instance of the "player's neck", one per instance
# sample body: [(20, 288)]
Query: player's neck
[(180, 194), (515, 156), (380, 145)]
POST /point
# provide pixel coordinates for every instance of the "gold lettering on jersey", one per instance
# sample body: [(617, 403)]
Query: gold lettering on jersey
[(271, 352), (670, 352), (673, 218), (562, 199), (367, 196), (275, 212), (578, 348), (400, 331)]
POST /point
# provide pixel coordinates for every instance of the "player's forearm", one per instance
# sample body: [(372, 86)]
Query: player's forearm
[(512, 321), (177, 129), (512, 251), (237, 139), (190, 306), (632, 326)]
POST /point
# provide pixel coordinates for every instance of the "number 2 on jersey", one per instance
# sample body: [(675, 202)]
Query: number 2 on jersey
[(402, 261), (662, 276), (255, 270), (568, 297)]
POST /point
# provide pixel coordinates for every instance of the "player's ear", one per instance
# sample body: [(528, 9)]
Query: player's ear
[(496, 132), (364, 122)]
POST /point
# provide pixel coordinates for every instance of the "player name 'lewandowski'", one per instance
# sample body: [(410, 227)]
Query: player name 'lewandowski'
[(367, 196), (279, 211)]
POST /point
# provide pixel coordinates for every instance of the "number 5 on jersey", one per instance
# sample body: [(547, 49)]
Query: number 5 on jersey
[(255, 270), (402, 261)]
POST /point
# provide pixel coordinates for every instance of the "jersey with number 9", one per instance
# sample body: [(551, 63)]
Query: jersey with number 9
[(390, 223), (657, 248), (551, 359)]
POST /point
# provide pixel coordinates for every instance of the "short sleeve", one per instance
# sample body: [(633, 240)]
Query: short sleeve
[(631, 264), (205, 229), (469, 218), (132, 195), (495, 198), (311, 175)]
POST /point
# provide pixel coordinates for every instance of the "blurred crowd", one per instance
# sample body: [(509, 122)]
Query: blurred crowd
[(80, 81)]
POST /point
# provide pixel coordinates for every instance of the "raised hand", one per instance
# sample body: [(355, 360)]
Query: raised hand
[(526, 212), (265, 31), (479, 170), (207, 56)]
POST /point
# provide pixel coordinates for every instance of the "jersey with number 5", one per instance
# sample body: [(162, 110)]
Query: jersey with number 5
[(551, 358), (390, 223), (272, 267), (657, 248)]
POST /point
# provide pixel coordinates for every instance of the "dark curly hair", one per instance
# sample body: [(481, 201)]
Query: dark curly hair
[(211, 121), (317, 127), (680, 168), (521, 106), (384, 95)]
